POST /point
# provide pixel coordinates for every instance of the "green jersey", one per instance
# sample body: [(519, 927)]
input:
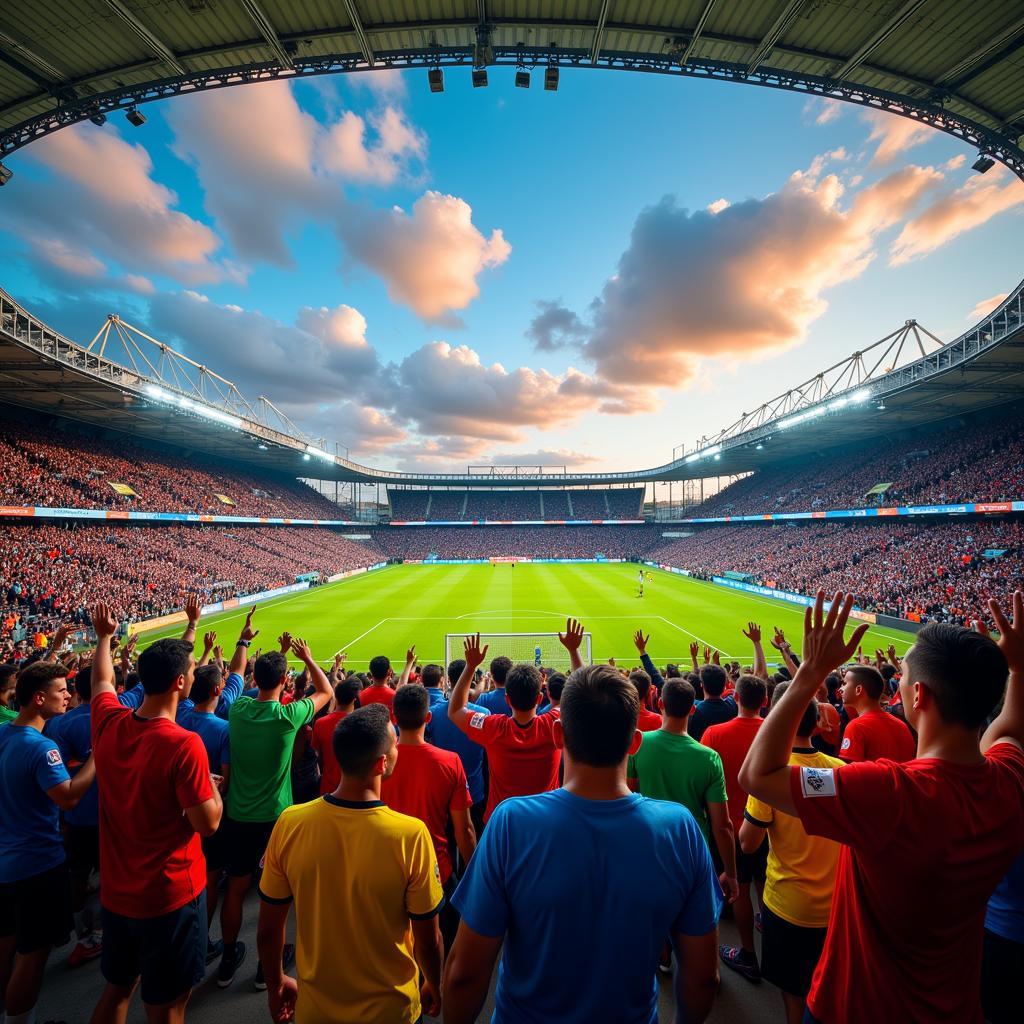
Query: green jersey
[(261, 734), (678, 768), (7, 715)]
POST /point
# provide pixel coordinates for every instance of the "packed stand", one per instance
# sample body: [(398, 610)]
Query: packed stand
[(982, 462), (795, 793), (65, 470), (909, 570)]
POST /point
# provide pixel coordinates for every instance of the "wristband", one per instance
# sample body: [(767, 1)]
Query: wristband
[(242, 643)]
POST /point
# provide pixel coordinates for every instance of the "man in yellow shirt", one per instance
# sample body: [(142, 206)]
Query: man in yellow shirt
[(367, 892), (798, 888)]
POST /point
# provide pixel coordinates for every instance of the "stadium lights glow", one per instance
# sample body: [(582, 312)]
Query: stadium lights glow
[(718, 458), (860, 396), (305, 458), (182, 402), (758, 447), (5, 174), (262, 447), (135, 117), (311, 449)]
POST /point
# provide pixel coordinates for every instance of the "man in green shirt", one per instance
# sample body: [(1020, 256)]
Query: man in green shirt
[(261, 733), (8, 676), (672, 765)]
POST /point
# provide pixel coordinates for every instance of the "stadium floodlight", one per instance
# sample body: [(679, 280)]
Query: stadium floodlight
[(5, 174), (135, 117), (839, 403), (435, 76), (479, 78), (758, 447), (718, 457), (692, 457), (551, 78), (713, 450), (860, 396), (311, 449), (983, 164), (262, 447), (522, 79), (305, 457), (199, 408)]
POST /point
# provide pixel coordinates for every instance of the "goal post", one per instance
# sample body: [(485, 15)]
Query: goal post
[(541, 649)]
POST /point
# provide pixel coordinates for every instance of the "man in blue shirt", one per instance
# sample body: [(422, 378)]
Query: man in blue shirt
[(714, 709), (35, 886), (1004, 948), (444, 733), (554, 881), (494, 700)]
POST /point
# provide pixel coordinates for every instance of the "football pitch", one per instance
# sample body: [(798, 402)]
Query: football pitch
[(390, 609)]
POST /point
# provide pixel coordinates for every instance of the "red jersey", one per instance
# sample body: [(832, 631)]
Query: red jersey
[(377, 694), (956, 830), (731, 740), (428, 783), (648, 721), (522, 759), (877, 734), (149, 772), (323, 747)]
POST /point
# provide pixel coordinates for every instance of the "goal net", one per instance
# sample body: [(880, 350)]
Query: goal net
[(540, 649)]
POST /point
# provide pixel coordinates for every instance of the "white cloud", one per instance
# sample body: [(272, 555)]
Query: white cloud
[(983, 308)]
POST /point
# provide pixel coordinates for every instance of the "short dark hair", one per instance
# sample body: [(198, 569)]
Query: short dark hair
[(713, 679), (677, 698), (83, 683), (500, 668), (361, 738), (411, 706), (810, 715), (750, 692), (868, 677), (162, 662), (965, 672), (455, 670), (693, 678), (522, 686), (555, 684), (347, 690), (672, 672), (599, 711), (642, 682), (38, 676), (204, 683), (432, 675), (268, 669), (379, 668), (888, 671), (8, 672)]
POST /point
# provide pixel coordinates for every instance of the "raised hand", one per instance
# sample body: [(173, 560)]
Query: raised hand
[(209, 640), (640, 641), (104, 622), (707, 655), (248, 633), (285, 640), (64, 630), (753, 632), (193, 609), (473, 654), (410, 655), (825, 648), (1011, 633), (779, 639), (694, 650), (218, 654), (716, 658), (301, 650)]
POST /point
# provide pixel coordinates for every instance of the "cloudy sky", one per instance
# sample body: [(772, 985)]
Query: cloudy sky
[(589, 277)]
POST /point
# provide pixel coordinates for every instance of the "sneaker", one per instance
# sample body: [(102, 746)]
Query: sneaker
[(229, 965), (287, 960), (214, 950), (85, 950), (741, 962)]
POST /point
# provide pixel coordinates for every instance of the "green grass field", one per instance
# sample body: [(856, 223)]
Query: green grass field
[(386, 611)]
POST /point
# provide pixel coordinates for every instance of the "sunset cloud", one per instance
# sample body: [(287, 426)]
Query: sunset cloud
[(983, 308), (346, 152), (894, 135), (555, 327)]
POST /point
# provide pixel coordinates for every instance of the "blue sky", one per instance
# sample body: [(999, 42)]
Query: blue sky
[(699, 247)]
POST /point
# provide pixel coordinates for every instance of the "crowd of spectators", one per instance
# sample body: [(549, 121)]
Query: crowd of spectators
[(932, 571), (47, 572), (57, 469), (512, 506), (979, 462)]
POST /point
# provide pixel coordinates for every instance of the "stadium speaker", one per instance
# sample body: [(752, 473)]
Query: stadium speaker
[(551, 78), (522, 79), (5, 174), (135, 117), (99, 120), (983, 163), (479, 78), (435, 76)]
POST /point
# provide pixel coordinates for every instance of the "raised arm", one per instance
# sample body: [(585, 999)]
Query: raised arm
[(457, 710), (753, 634), (67, 794), (209, 642), (571, 640), (765, 772), (640, 642), (410, 660), (241, 656), (193, 609), (1008, 726), (893, 659), (64, 630), (104, 623), (783, 646), (322, 692)]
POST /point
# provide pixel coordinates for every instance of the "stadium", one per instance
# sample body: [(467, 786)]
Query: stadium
[(137, 474)]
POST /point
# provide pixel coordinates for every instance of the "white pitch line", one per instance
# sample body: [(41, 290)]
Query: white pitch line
[(700, 640), (361, 635)]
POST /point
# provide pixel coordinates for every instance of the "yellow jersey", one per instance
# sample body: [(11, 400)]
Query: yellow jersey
[(357, 873)]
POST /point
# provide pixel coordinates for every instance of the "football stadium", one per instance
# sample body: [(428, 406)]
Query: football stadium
[(727, 731)]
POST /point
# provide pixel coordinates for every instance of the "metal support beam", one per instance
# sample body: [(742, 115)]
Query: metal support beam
[(149, 39), (267, 30), (961, 71), (892, 25), (29, 63), (701, 22), (775, 33), (357, 25), (602, 17)]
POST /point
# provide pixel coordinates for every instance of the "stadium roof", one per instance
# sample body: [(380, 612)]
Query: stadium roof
[(954, 64)]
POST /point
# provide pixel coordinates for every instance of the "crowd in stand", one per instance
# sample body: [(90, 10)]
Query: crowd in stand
[(57, 469), (931, 571), (512, 506), (951, 465), (359, 800)]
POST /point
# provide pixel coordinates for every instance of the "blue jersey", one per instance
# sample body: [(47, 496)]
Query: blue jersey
[(1005, 914), (444, 733), (30, 842), (554, 910), (213, 729), (494, 701)]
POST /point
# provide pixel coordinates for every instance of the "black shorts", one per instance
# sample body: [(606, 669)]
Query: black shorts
[(789, 953), (245, 842), (750, 867), (37, 910), (168, 952), (82, 843), (215, 849)]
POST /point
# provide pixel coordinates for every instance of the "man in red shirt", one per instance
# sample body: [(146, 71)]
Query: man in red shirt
[(731, 740), (430, 784), (648, 720), (522, 754), (380, 692), (874, 733), (952, 818), (345, 694), (156, 800)]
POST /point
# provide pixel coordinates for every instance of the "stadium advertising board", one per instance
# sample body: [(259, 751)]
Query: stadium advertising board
[(784, 595), (168, 517), (354, 572), (967, 508), (669, 568)]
